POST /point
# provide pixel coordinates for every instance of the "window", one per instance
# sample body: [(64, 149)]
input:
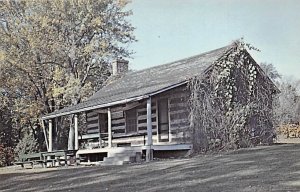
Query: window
[(131, 120), (103, 123), (163, 120)]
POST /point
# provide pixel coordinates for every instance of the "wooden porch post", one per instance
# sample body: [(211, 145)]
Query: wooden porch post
[(149, 154), (45, 133), (76, 131), (50, 148), (109, 128)]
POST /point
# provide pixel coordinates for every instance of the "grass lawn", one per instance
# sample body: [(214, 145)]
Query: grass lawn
[(272, 168)]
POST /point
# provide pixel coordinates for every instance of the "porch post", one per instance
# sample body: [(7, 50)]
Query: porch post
[(109, 128), (50, 136), (149, 153), (45, 133), (76, 131)]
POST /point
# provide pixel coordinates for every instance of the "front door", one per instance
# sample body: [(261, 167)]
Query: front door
[(163, 120)]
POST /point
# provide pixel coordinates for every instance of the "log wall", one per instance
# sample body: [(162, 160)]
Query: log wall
[(178, 114), (178, 119)]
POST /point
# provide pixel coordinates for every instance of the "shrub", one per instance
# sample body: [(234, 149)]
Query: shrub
[(6, 156), (28, 144)]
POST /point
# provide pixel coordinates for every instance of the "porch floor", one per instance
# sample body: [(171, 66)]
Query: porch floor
[(156, 147)]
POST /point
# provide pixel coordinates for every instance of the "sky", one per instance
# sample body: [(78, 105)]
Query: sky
[(169, 30)]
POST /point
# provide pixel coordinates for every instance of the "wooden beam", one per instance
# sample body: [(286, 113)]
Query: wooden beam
[(99, 129), (45, 133), (50, 148), (76, 131), (149, 153), (96, 107), (109, 128), (169, 119)]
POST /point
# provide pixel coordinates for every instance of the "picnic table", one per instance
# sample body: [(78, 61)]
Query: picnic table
[(31, 159), (48, 158), (59, 156)]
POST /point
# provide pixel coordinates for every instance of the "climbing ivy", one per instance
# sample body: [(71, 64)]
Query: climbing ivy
[(223, 101)]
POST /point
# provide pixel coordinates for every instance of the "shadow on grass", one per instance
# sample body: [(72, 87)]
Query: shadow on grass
[(274, 168)]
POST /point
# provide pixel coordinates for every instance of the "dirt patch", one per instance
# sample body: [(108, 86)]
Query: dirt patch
[(274, 168)]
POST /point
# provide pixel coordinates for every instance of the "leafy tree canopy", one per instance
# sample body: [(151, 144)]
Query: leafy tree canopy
[(55, 53)]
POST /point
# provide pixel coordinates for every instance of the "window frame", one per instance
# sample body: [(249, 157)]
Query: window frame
[(126, 122)]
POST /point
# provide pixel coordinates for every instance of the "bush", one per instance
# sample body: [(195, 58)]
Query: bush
[(28, 144), (6, 156)]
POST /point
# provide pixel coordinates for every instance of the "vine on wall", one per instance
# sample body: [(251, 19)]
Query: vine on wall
[(225, 101)]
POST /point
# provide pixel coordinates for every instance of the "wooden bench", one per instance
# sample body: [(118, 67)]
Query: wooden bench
[(45, 158), (32, 159), (22, 163)]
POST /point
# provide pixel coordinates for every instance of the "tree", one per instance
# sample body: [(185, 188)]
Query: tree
[(287, 106), (55, 53), (270, 71)]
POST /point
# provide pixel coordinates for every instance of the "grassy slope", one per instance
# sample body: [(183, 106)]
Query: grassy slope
[(275, 168)]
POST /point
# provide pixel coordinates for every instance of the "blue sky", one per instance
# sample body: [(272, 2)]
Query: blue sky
[(168, 30)]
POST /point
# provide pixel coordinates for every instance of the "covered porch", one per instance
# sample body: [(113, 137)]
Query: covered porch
[(153, 122), (103, 133)]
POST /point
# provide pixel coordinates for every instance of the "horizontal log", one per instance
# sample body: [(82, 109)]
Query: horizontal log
[(145, 124), (178, 125), (179, 111), (179, 100), (92, 128), (182, 128), (178, 108), (118, 131), (184, 104), (140, 117), (92, 131), (92, 122), (178, 121), (144, 128), (119, 114), (145, 120), (178, 95), (93, 118), (94, 114), (118, 127), (144, 109), (118, 121), (92, 125), (179, 116)]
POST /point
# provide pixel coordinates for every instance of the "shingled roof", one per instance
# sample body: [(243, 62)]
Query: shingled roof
[(141, 84)]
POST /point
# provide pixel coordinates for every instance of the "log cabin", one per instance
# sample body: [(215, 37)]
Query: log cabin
[(140, 113)]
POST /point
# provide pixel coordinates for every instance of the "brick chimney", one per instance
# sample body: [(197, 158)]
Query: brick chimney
[(119, 66)]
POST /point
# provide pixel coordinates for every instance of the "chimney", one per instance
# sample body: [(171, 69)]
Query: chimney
[(119, 66)]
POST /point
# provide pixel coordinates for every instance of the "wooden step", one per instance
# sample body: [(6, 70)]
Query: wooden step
[(131, 153), (114, 162), (120, 158)]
